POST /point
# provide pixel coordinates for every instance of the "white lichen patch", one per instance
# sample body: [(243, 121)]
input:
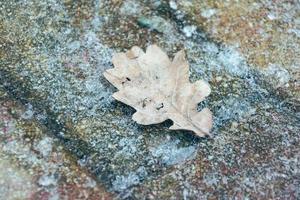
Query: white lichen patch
[(129, 146), (232, 60), (157, 23), (44, 146), (173, 5), (234, 108), (123, 182), (47, 180), (130, 7), (278, 76), (170, 153), (207, 13), (189, 30), (221, 59)]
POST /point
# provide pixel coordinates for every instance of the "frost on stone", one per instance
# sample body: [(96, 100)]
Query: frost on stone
[(170, 153), (159, 89), (208, 13), (130, 7), (277, 75), (189, 30), (123, 182)]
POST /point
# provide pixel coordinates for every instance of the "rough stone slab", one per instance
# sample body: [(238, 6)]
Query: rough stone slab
[(266, 32), (53, 55), (34, 164)]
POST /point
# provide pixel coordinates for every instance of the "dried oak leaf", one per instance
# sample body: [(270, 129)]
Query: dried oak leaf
[(159, 89)]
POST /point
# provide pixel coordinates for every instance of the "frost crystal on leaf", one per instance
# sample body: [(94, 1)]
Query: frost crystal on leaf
[(159, 89)]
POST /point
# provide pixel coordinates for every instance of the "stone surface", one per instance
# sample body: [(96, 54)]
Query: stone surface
[(62, 131), (34, 164), (266, 32)]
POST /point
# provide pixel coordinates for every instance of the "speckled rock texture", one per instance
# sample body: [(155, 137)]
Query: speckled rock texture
[(63, 136)]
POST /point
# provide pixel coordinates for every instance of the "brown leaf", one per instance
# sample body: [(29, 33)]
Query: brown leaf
[(159, 89)]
